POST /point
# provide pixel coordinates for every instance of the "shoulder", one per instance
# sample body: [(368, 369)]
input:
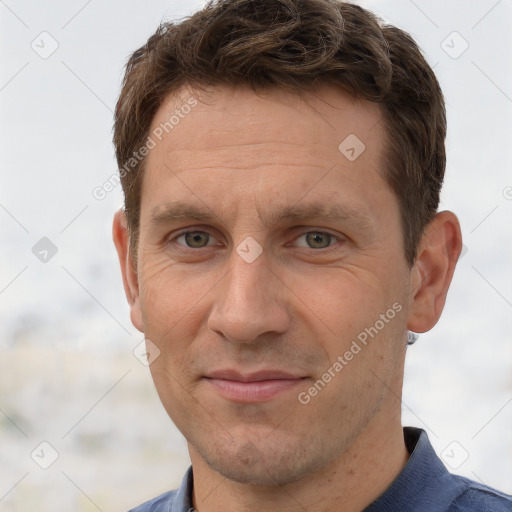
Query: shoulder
[(476, 497), (162, 503)]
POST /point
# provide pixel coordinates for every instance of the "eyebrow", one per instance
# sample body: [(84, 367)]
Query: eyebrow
[(317, 210), (179, 211), (176, 211)]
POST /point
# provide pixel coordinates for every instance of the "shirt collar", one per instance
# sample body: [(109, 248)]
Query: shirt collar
[(423, 481), (183, 496)]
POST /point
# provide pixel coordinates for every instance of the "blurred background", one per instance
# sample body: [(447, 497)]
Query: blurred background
[(81, 426)]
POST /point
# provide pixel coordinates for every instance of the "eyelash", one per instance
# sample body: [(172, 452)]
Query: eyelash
[(185, 247)]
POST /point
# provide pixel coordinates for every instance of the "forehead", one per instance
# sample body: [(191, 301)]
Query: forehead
[(276, 143), (230, 117)]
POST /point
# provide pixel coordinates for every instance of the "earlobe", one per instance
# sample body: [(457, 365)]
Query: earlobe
[(433, 270), (121, 237)]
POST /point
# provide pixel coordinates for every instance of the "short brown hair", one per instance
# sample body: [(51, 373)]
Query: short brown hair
[(295, 45)]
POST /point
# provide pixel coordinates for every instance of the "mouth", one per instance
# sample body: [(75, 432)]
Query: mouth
[(259, 386)]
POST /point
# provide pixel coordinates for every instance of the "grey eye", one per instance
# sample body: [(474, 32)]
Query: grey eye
[(195, 239), (315, 240)]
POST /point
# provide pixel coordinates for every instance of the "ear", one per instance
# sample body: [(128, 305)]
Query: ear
[(121, 238), (432, 272)]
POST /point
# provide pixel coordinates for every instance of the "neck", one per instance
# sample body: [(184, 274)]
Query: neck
[(349, 483)]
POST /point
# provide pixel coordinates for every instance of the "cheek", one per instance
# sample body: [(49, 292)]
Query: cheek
[(173, 389), (174, 305), (339, 298), (353, 304), (166, 293)]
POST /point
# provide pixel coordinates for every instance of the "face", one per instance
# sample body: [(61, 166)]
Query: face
[(271, 276)]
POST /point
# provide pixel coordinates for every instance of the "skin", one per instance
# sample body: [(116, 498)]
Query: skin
[(297, 307)]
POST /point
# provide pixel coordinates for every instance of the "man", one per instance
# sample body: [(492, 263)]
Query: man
[(282, 162)]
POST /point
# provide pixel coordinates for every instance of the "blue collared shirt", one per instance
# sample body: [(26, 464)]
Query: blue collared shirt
[(424, 485)]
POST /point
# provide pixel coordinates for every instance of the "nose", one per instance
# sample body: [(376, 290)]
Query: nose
[(249, 302)]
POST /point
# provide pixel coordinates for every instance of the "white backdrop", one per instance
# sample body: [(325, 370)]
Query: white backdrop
[(68, 376)]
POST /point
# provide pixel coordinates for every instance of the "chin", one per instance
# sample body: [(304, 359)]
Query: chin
[(267, 465)]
